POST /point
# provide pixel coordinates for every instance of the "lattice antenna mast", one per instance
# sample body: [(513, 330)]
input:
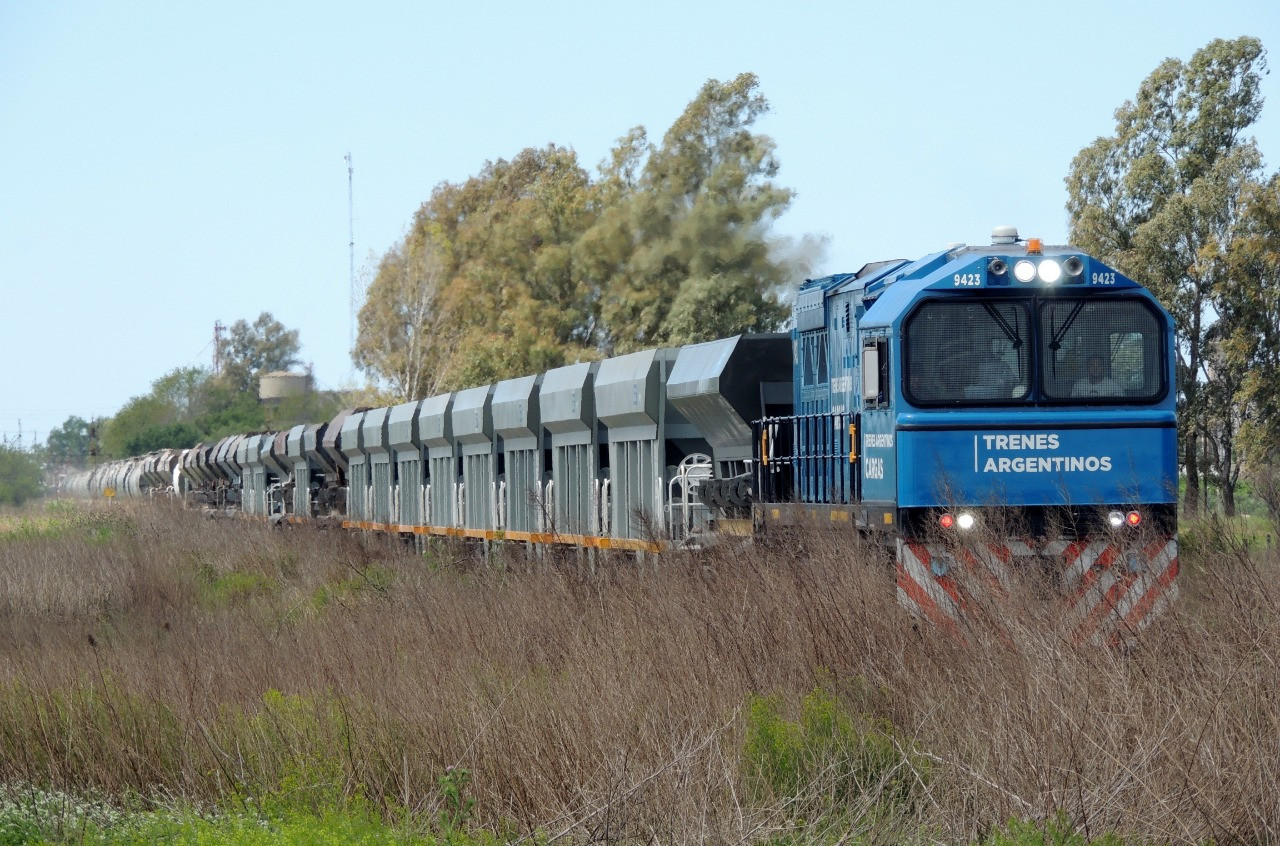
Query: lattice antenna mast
[(351, 246), (218, 329)]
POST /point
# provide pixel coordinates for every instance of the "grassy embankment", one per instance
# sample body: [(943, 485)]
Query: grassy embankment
[(214, 681)]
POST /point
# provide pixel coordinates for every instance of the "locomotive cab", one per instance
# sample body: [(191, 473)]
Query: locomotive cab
[(1052, 399)]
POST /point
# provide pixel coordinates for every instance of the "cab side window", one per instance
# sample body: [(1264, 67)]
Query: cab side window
[(875, 373)]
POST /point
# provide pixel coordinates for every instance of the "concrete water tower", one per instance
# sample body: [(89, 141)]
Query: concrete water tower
[(283, 384)]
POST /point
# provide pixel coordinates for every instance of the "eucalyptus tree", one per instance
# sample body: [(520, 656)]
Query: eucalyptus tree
[(253, 349), (1254, 345), (532, 263), (484, 285), (1160, 199), (69, 443), (681, 251), (404, 338)]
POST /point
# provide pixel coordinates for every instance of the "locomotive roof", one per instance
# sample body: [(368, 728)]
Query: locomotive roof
[(937, 269)]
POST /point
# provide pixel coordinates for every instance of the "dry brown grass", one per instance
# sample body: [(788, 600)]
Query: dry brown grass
[(614, 706)]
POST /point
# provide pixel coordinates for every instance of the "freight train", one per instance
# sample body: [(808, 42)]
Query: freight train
[(1013, 392)]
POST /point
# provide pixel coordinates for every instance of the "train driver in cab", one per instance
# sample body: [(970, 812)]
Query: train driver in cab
[(1096, 382)]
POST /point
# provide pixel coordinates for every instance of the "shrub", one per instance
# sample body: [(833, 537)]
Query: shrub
[(19, 476)]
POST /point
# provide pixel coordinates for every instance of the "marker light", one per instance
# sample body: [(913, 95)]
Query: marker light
[(1133, 518), (1024, 271), (1116, 519), (1049, 271), (965, 521), (946, 521)]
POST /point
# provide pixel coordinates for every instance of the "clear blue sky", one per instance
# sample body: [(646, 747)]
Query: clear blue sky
[(172, 164)]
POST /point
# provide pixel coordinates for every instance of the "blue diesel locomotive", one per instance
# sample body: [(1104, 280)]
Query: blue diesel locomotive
[(1017, 387)]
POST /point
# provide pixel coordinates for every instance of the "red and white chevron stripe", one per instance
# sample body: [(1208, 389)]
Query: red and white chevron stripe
[(1109, 590)]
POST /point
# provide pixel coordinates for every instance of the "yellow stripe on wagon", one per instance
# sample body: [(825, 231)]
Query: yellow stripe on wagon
[(585, 541)]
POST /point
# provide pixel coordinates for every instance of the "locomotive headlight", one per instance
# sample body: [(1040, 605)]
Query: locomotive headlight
[(966, 520), (1115, 519), (1049, 271), (1024, 271)]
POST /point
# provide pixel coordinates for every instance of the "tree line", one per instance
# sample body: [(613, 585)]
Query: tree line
[(189, 405)]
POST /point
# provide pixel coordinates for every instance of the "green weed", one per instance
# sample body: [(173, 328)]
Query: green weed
[(94, 526), (371, 580), (844, 756), (456, 816), (30, 815), (1056, 831), (239, 584), (289, 753)]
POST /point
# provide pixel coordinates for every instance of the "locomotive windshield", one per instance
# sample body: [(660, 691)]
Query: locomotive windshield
[(971, 352), (984, 352), (1101, 350)]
